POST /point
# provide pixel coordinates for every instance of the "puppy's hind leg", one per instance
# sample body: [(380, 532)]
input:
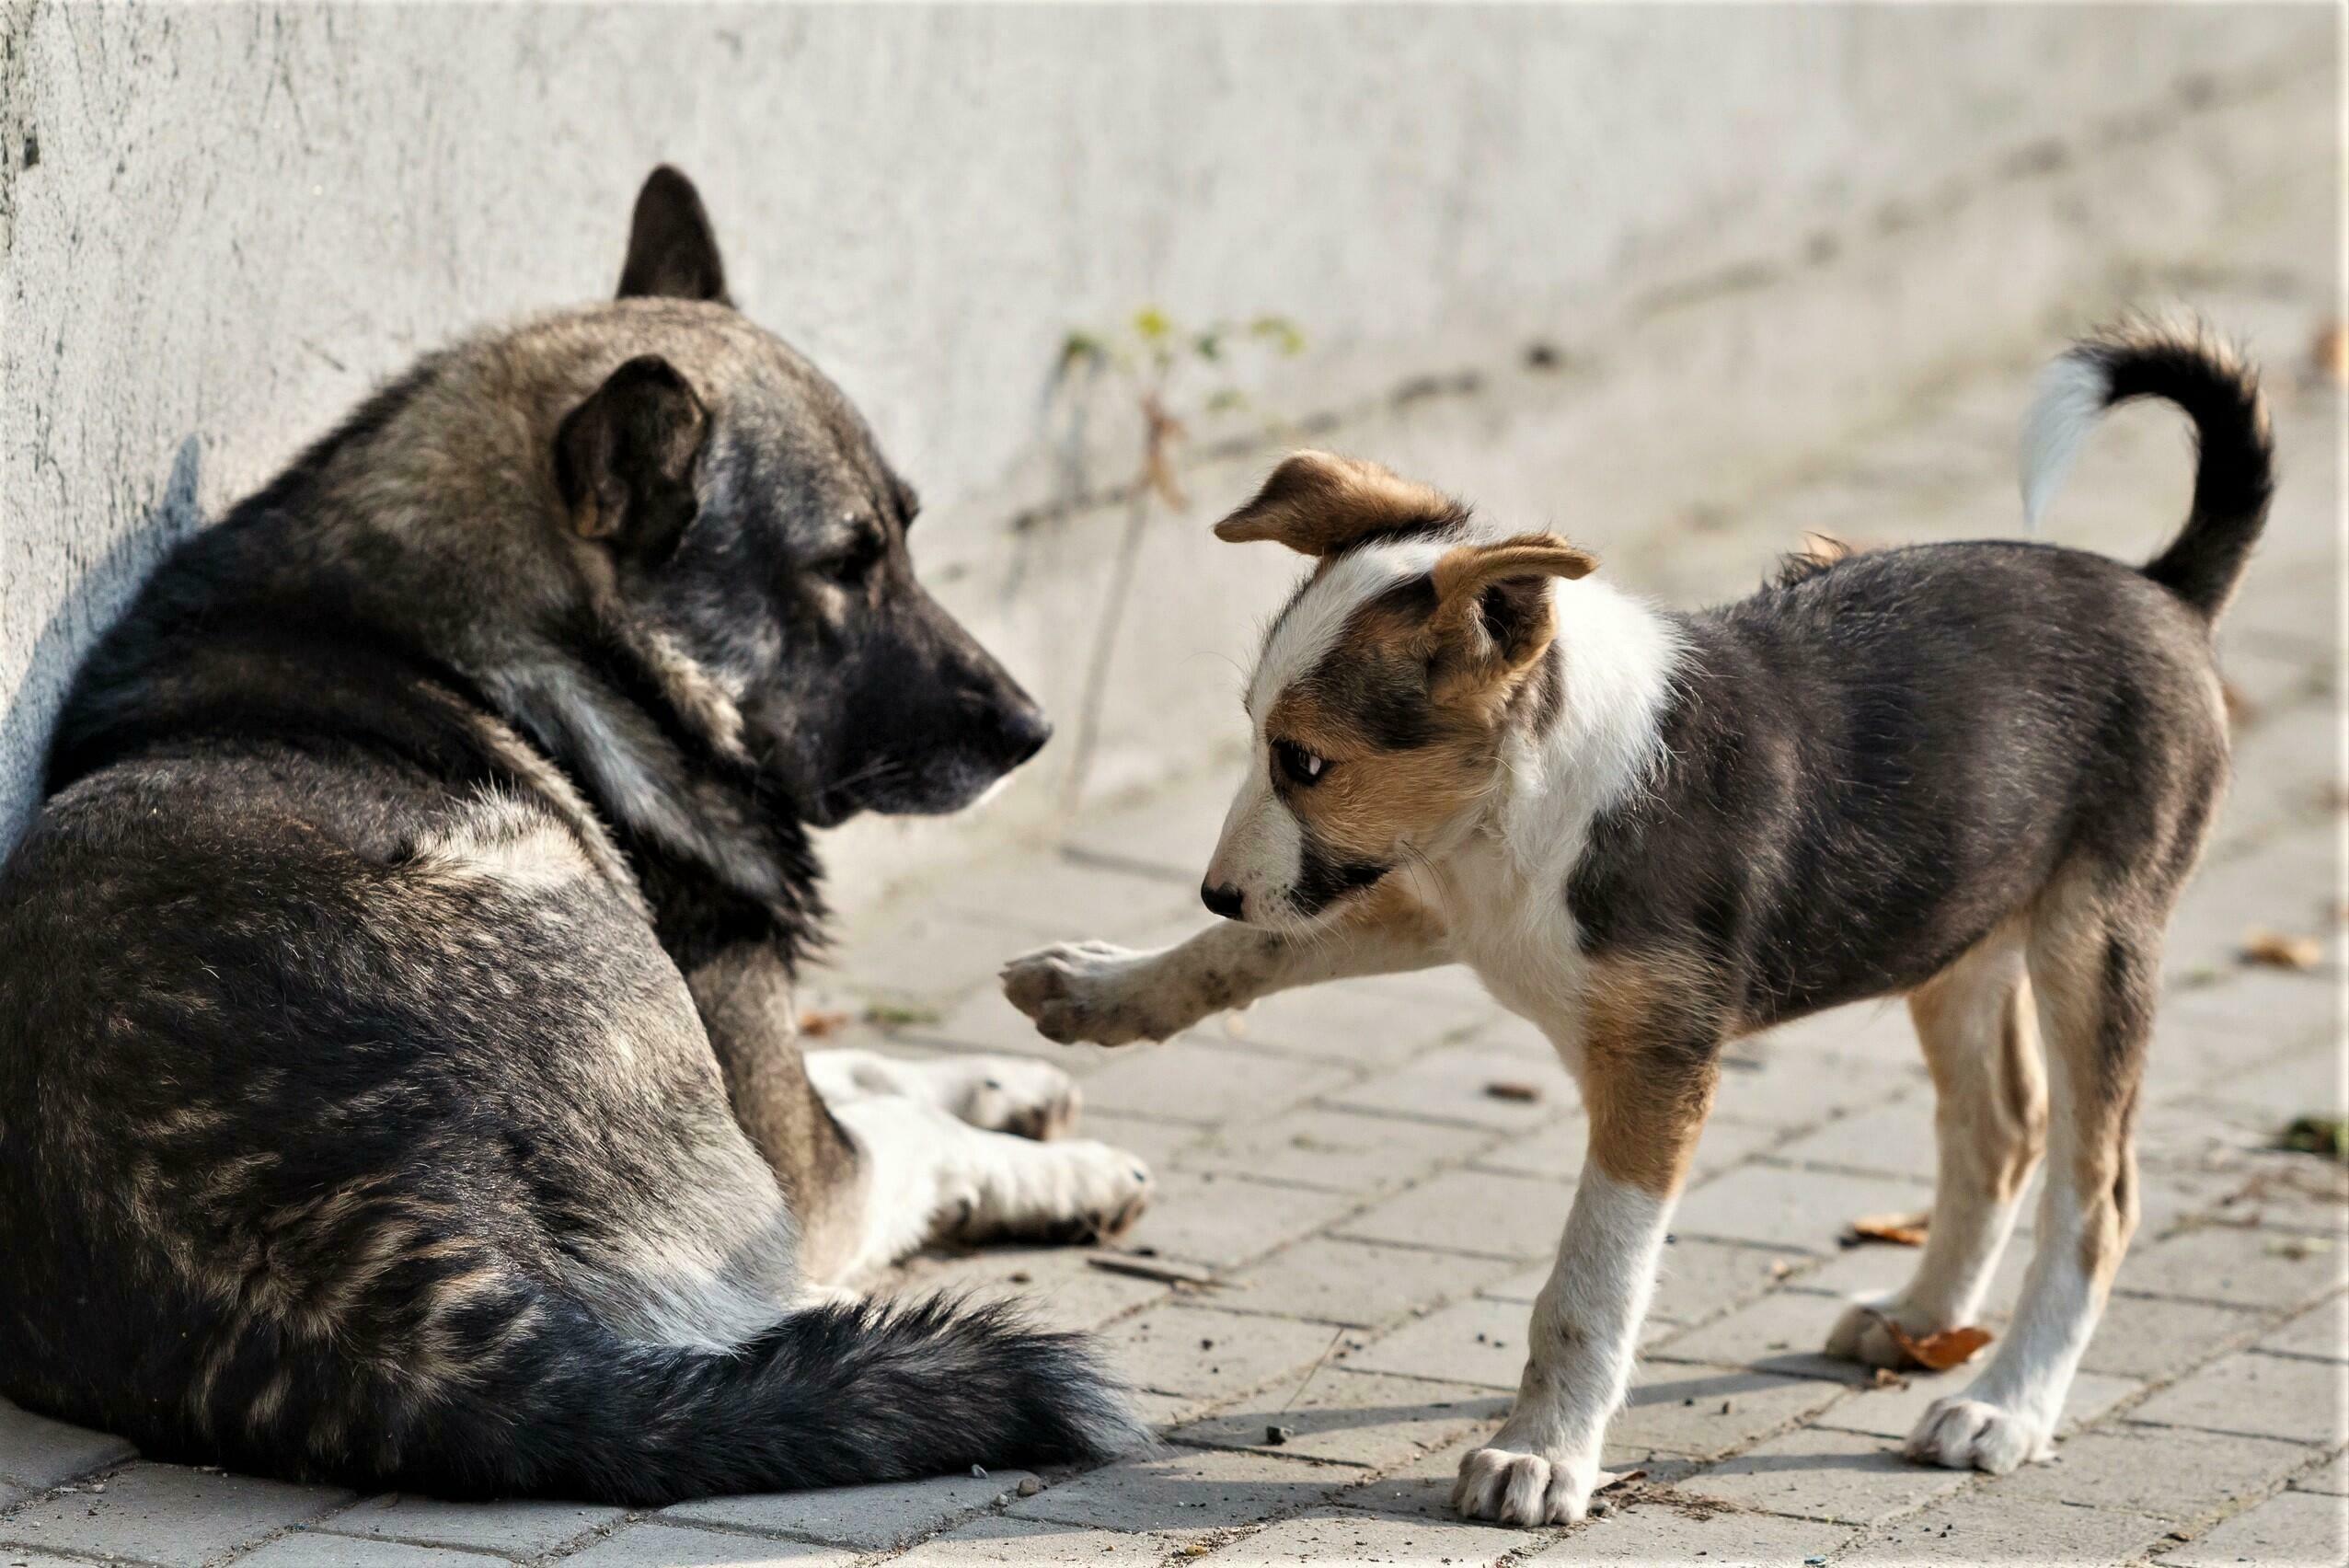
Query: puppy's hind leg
[(2095, 969), (926, 1177), (999, 1094), (1981, 1042)]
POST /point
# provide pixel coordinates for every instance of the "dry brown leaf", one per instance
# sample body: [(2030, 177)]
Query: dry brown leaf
[(1904, 1229), (2329, 355), (823, 1025), (1509, 1089), (1936, 1352), (2278, 950), (1608, 1480)]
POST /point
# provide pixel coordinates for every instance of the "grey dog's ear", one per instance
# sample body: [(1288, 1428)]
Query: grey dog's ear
[(672, 252), (624, 459)]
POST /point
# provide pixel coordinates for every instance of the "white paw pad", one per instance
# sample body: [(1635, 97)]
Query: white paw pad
[(1963, 1434), (1091, 991), (1522, 1489)]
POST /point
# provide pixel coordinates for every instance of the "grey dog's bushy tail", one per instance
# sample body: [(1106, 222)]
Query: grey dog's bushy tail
[(828, 1396), (2234, 477)]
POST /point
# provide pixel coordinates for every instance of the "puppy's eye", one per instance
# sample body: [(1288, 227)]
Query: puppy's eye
[(1298, 766)]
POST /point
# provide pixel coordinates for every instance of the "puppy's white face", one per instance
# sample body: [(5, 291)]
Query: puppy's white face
[(1342, 732), (1377, 706)]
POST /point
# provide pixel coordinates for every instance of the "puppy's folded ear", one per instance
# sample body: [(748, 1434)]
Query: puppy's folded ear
[(673, 251), (1318, 504), (624, 459), (1493, 614)]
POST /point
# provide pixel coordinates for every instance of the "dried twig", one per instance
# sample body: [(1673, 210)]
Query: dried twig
[(1160, 1269), (1327, 1352)]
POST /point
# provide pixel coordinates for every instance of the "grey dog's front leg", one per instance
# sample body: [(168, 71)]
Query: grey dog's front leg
[(1111, 995), (748, 1005)]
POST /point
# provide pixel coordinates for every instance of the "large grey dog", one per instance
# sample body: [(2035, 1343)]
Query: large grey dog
[(396, 1074)]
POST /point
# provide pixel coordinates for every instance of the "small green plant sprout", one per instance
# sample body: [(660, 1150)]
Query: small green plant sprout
[(1175, 373), (1152, 354)]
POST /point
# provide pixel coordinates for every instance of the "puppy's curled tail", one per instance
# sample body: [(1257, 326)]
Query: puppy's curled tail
[(2234, 477), (563, 1406)]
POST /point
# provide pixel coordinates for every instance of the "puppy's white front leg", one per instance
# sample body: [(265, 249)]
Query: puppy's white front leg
[(1106, 995), (1645, 1048), (1541, 1466), (1112, 996)]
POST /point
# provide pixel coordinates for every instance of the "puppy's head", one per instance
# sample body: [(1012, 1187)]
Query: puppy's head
[(748, 542), (1380, 704)]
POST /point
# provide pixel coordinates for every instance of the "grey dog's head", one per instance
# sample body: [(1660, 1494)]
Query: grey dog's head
[(661, 539), (742, 530)]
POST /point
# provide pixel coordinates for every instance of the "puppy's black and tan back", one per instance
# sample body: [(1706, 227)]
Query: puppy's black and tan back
[(356, 1119), (1877, 759)]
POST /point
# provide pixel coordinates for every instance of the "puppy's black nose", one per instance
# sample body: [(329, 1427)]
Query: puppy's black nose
[(1223, 901)]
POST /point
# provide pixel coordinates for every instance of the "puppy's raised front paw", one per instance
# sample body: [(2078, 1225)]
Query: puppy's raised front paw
[(1516, 1488), (1095, 992), (1962, 1434)]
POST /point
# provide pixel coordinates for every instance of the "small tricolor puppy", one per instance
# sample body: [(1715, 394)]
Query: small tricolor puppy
[(1977, 774)]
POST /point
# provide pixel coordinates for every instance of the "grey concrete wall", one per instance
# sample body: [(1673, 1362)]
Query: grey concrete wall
[(1734, 234)]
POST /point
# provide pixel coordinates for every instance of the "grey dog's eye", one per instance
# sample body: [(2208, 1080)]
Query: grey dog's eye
[(853, 563), (1297, 765)]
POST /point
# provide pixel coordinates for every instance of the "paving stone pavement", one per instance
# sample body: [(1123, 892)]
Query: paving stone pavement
[(1375, 1219)]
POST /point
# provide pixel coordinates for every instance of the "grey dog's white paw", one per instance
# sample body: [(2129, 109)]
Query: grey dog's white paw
[(1013, 1094), (1075, 1190), (1093, 992)]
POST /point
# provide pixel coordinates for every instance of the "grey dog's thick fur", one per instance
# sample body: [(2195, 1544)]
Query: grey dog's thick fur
[(396, 1075)]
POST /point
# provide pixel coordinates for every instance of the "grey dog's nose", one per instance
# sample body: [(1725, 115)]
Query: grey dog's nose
[(1223, 901), (1024, 731)]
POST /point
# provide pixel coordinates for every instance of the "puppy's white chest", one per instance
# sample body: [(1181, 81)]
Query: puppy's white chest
[(1522, 944)]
